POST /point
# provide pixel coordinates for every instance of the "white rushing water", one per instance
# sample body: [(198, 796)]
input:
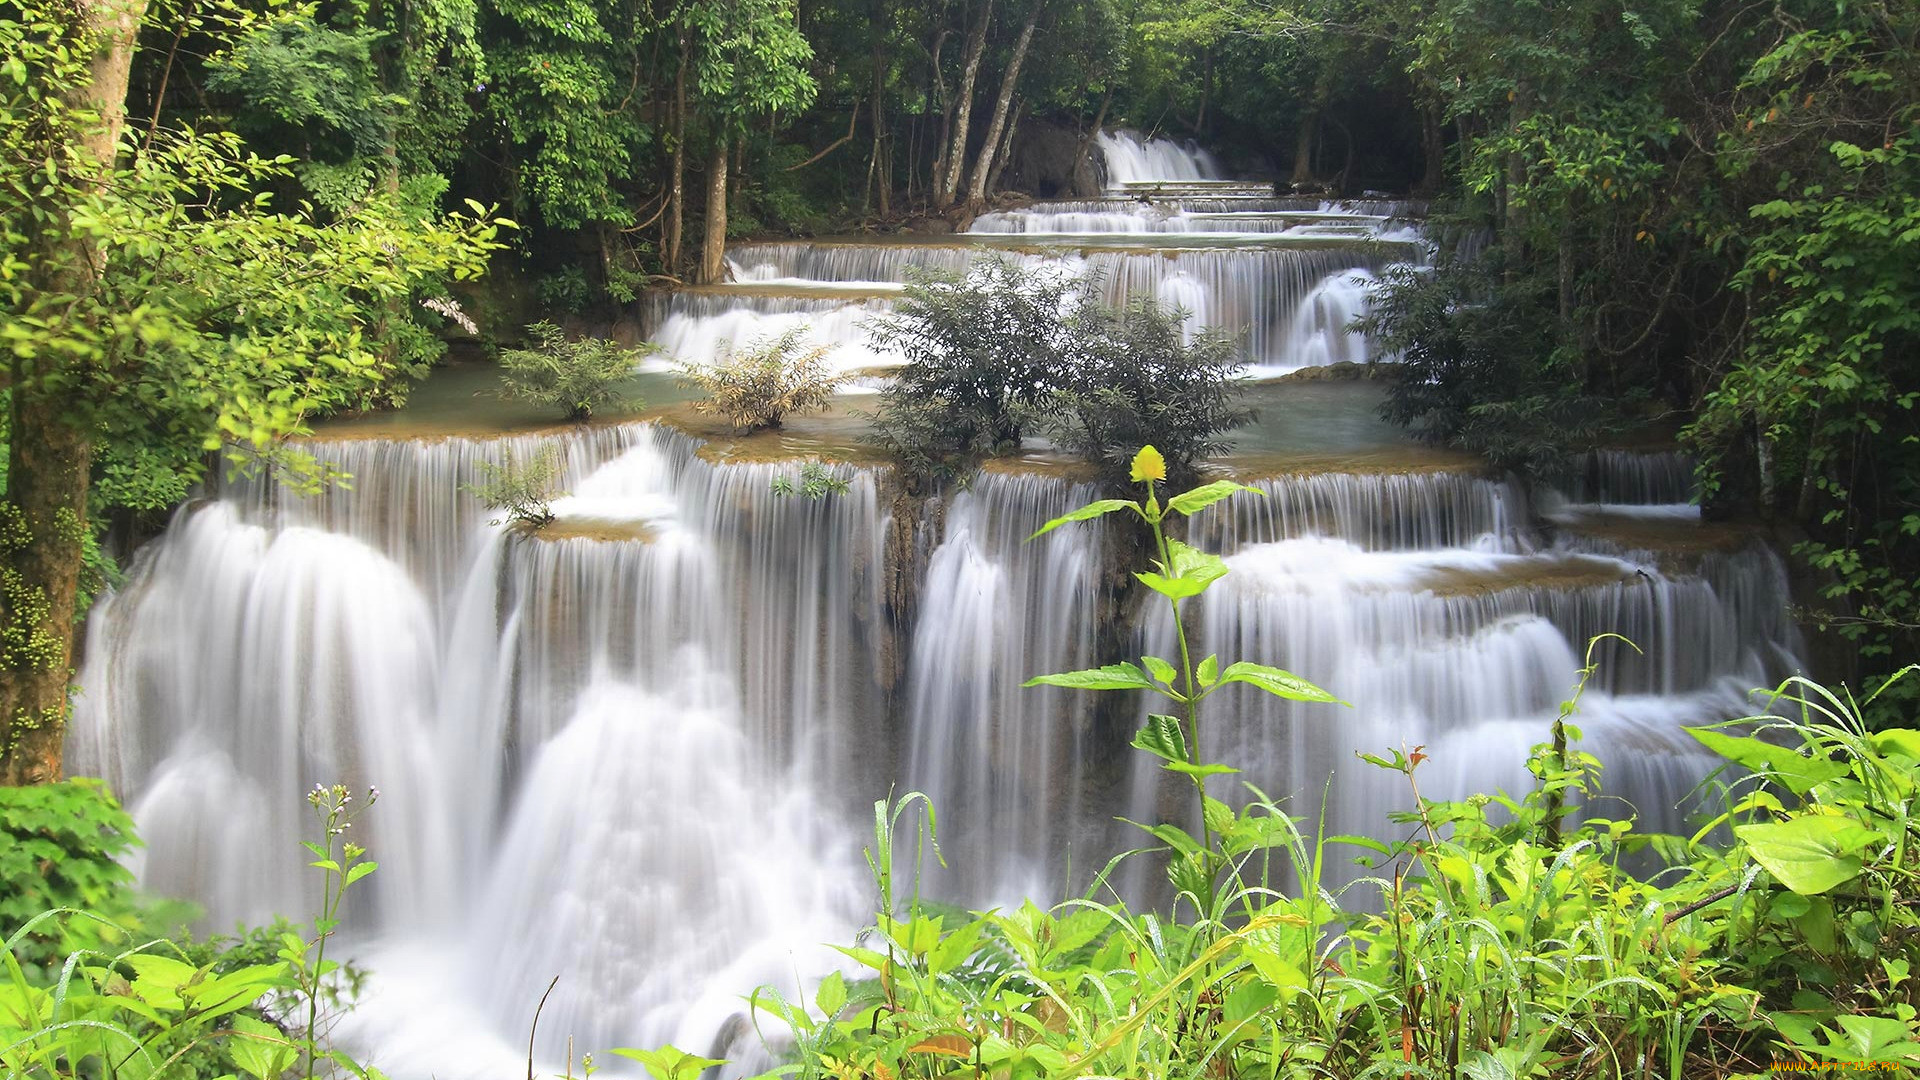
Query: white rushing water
[(1285, 277), (636, 752)]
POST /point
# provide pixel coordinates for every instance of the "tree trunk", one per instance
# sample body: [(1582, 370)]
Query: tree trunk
[(1433, 144), (1002, 104), (1085, 149), (677, 187), (1020, 112), (713, 257), (43, 520), (1303, 149), (883, 176), (956, 162)]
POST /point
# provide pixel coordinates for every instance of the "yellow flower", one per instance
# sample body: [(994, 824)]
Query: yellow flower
[(1149, 465)]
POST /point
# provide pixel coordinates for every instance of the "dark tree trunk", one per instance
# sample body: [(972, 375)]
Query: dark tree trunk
[(1085, 149)]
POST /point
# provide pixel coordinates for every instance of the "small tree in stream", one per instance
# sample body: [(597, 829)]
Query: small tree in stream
[(578, 377)]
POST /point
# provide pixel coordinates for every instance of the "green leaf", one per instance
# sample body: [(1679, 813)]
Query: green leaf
[(1197, 499), (1795, 771), (831, 995), (1276, 682), (1162, 737), (669, 1062), (1086, 513), (1199, 771), (1120, 676), (261, 1049), (1209, 672), (1161, 671), (1191, 564), (360, 870), (1809, 854), (1172, 588)]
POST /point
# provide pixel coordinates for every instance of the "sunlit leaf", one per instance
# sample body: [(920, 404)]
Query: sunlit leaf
[(1120, 676), (1086, 513), (1276, 682)]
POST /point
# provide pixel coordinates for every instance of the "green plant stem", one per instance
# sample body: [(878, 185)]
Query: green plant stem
[(1191, 703)]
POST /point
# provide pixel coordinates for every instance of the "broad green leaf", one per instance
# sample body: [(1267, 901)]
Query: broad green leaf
[(1199, 771), (1161, 671), (1209, 672), (669, 1062), (1194, 500), (1897, 742), (1086, 513), (1172, 588), (1795, 771), (1189, 563), (360, 870), (1878, 1039), (1809, 854), (1148, 465), (954, 949), (917, 936), (875, 960), (831, 995), (1276, 682), (1120, 676), (1162, 737), (261, 1049)]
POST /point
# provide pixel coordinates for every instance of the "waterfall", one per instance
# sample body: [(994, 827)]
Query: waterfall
[(637, 749), (1131, 159)]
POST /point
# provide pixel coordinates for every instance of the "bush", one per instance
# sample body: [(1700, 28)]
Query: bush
[(1005, 349), (577, 377), (1138, 378), (522, 490), (59, 848), (1481, 369), (984, 352), (758, 388)]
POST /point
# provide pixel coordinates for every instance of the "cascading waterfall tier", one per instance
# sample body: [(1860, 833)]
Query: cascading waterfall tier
[(1286, 277), (688, 658)]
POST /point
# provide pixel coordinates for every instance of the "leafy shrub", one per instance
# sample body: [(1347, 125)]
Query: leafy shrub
[(1139, 378), (1481, 369), (1005, 348), (984, 351), (522, 490), (817, 481), (761, 386), (577, 377), (59, 848), (566, 289)]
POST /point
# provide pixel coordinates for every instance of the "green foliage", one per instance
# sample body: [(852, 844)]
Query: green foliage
[(1138, 377), (760, 386), (522, 490), (59, 848), (313, 77), (1003, 349), (984, 351), (1481, 371), (816, 481), (1506, 940), (576, 377), (164, 1009)]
